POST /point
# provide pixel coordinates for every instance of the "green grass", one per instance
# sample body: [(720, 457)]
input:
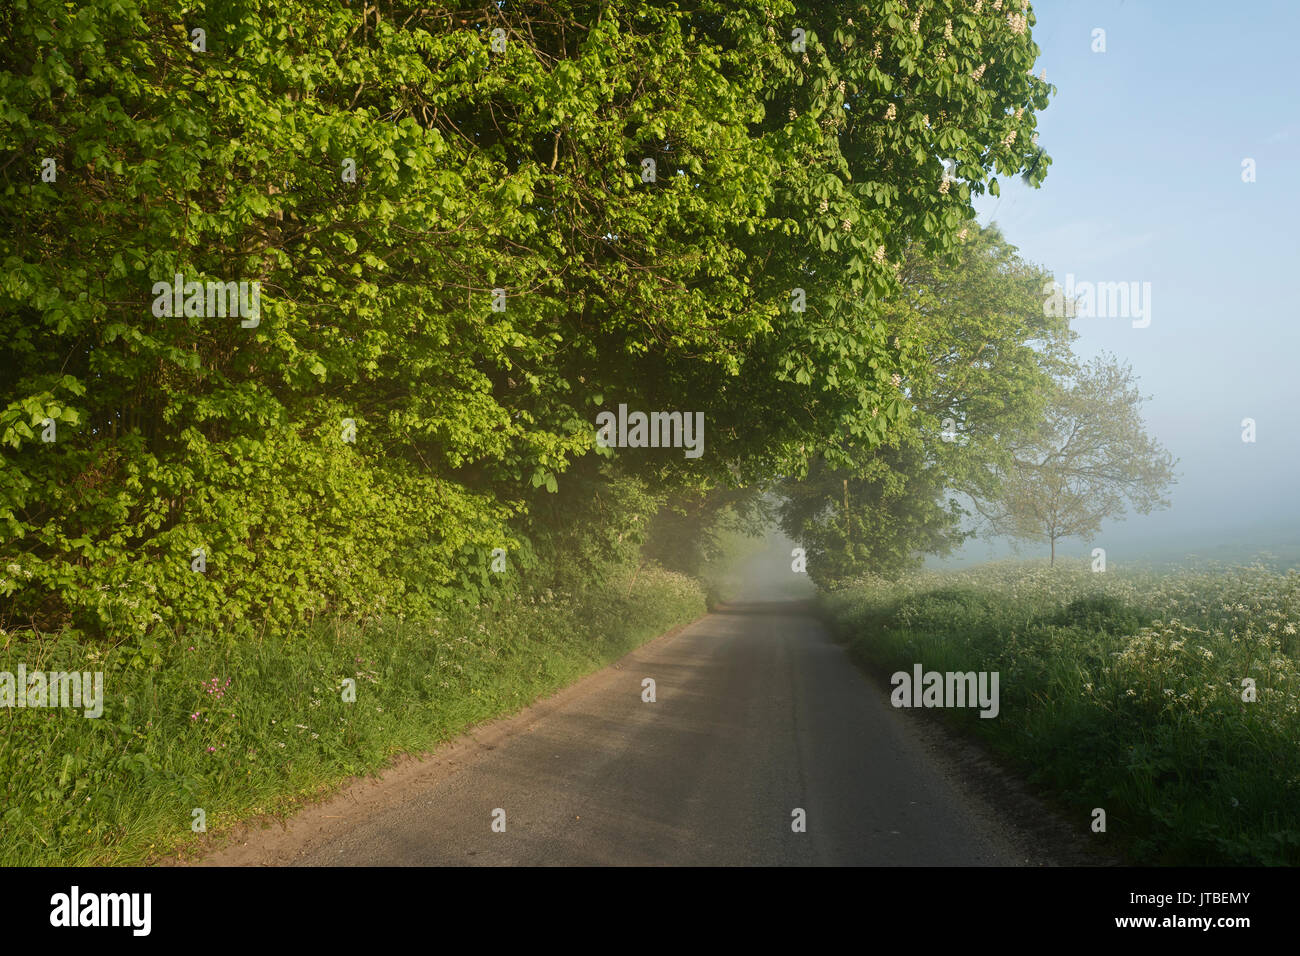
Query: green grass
[(120, 789), (1121, 691)]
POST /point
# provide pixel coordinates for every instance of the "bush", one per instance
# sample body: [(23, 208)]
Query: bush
[(1102, 612), (1105, 705)]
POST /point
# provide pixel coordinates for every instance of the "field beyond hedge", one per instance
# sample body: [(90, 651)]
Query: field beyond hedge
[(245, 727), (1120, 690)]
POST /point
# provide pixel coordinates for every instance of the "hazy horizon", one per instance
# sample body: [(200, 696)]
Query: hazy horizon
[(1142, 189)]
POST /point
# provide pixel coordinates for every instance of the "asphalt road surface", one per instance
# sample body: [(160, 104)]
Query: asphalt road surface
[(757, 713)]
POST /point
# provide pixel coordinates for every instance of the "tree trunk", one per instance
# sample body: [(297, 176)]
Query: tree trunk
[(1052, 563), (847, 535)]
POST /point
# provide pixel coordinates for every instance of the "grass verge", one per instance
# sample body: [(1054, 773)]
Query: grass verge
[(242, 729), (1123, 691)]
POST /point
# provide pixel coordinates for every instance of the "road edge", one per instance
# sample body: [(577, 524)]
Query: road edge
[(278, 840), (1030, 820)]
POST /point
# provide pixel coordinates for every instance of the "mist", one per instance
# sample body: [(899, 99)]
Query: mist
[(1143, 188)]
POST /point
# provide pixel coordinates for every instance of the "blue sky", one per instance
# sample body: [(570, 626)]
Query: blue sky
[(1147, 141)]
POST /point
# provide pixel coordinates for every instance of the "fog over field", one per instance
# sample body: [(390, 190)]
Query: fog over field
[(1144, 189)]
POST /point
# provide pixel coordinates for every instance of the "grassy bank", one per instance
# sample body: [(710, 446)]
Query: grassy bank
[(251, 727), (1121, 691)]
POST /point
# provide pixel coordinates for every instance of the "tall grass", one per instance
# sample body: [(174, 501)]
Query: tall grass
[(1122, 691), (251, 727)]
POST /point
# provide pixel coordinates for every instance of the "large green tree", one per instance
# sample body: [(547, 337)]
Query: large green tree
[(381, 169), (988, 360)]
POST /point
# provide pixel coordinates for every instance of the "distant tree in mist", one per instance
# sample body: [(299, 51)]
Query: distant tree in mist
[(1089, 459)]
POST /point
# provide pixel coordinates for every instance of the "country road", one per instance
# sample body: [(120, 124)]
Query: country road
[(757, 713)]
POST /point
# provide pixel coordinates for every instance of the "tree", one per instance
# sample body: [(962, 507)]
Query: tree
[(885, 516), (861, 116), (983, 358), (1088, 458), (379, 171)]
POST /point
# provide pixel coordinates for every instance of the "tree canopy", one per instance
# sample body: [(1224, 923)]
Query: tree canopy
[(986, 358), (461, 257)]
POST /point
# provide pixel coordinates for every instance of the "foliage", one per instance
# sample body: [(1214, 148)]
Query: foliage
[(886, 517), (1088, 457), (476, 169), (988, 356), (242, 727), (1121, 690)]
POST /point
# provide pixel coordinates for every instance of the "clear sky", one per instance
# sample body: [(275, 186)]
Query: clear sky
[(1147, 141)]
